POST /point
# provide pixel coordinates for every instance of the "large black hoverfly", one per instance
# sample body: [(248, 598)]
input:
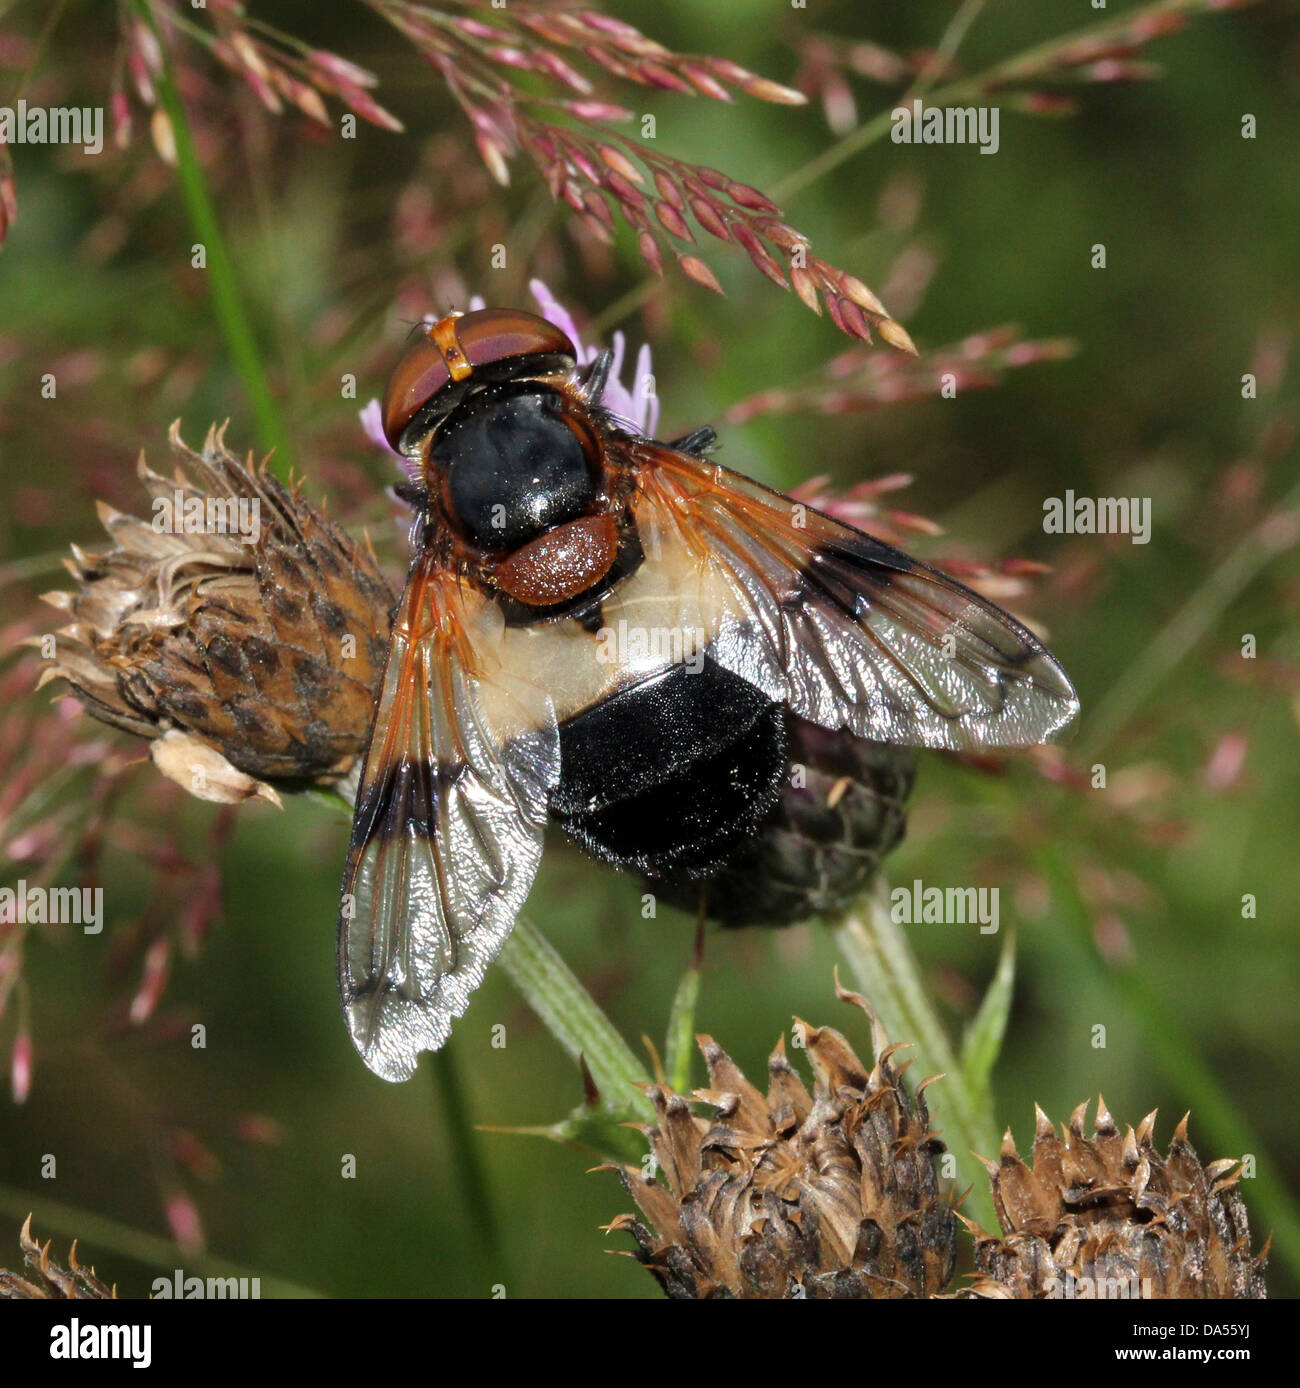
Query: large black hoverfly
[(624, 636)]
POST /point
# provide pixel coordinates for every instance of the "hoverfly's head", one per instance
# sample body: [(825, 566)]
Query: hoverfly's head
[(443, 359), (476, 402)]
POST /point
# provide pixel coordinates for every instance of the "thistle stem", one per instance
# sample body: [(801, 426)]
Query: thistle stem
[(572, 1016), (680, 1048), (884, 967)]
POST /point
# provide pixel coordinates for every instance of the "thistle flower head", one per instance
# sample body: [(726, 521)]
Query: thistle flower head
[(52, 1280), (245, 657), (1109, 1215), (788, 1194)]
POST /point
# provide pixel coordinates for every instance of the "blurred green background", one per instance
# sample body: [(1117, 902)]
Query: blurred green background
[(1126, 903)]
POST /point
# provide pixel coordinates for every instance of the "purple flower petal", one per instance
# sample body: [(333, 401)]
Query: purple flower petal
[(555, 313), (645, 402), (372, 421)]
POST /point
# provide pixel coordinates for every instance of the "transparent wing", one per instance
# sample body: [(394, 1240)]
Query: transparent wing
[(447, 832), (848, 631)]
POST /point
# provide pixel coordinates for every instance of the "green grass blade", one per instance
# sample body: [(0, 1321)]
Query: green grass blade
[(227, 302), (983, 1040), (679, 1049)]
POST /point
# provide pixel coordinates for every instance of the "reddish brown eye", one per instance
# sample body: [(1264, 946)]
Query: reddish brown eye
[(495, 334), (416, 378), (453, 347)]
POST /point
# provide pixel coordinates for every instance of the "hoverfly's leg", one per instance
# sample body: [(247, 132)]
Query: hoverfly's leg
[(595, 377), (697, 443)]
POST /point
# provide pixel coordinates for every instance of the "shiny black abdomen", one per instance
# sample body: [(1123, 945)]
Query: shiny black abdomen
[(674, 775)]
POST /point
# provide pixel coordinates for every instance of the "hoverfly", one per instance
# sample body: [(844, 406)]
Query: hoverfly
[(527, 677)]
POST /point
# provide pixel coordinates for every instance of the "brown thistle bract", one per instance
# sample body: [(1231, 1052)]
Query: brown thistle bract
[(788, 1194), (73, 1283), (1108, 1216), (245, 663)]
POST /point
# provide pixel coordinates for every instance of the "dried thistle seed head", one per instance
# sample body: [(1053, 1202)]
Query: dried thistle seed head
[(788, 1194), (1108, 1216), (73, 1283), (240, 629)]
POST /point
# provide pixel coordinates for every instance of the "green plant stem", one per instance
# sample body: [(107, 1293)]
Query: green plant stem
[(572, 1016), (227, 302), (982, 1043), (467, 1155), (52, 18), (884, 967), (946, 49)]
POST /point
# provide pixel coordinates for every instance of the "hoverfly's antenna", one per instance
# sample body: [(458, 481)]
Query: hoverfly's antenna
[(429, 319)]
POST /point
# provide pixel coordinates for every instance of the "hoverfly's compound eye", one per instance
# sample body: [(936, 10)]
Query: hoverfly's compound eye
[(415, 380), (497, 334), (453, 348)]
